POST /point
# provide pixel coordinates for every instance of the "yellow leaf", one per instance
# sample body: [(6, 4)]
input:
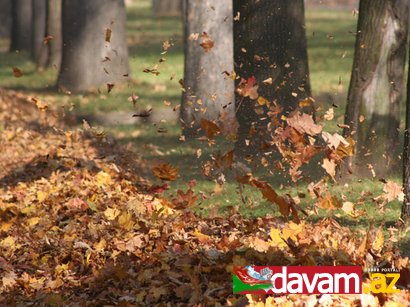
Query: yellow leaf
[(8, 242), (33, 221), (292, 230), (262, 101), (111, 214), (41, 196), (125, 220), (379, 241), (276, 239), (100, 245), (103, 179)]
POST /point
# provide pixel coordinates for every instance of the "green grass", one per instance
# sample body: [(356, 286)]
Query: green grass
[(331, 45)]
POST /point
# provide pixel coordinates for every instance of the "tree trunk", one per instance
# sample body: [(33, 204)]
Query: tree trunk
[(21, 32), (269, 42), (376, 86), (92, 57), (405, 210), (162, 8), (39, 20), (209, 92), (5, 18), (54, 29)]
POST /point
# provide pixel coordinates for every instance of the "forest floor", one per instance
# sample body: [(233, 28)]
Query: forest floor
[(84, 218), (80, 223)]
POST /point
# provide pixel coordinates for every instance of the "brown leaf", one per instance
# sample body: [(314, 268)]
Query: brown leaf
[(108, 33), (17, 72), (184, 200), (304, 123), (166, 172), (211, 129), (207, 43)]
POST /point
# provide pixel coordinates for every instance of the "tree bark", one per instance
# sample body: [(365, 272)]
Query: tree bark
[(21, 34), (376, 86), (92, 58), (163, 8), (269, 42), (209, 92), (39, 20), (54, 29), (405, 210), (5, 18)]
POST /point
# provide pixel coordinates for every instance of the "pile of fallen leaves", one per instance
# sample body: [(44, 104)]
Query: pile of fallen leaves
[(78, 224)]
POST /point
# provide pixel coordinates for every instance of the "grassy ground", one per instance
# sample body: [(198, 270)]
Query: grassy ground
[(330, 40)]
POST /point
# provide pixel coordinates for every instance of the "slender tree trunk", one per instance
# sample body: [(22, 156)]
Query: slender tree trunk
[(21, 33), (376, 86), (5, 18), (269, 44), (405, 210), (39, 26), (209, 92), (167, 7), (54, 29), (91, 56)]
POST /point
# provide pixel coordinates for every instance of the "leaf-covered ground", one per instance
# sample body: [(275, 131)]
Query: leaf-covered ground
[(79, 224)]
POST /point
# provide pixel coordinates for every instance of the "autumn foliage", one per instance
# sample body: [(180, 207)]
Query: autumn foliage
[(81, 224)]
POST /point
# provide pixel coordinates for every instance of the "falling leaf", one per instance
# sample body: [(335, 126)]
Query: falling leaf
[(17, 72), (330, 167), (306, 102), (262, 101), (210, 128), (110, 86), (334, 140), (304, 123), (267, 81), (184, 200), (207, 43), (145, 113), (330, 114), (393, 191), (108, 33), (248, 88), (329, 201), (47, 39), (166, 172)]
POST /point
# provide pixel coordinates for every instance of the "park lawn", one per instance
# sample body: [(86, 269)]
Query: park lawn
[(331, 45)]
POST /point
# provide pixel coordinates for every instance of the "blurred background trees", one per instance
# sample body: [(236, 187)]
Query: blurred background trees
[(95, 49)]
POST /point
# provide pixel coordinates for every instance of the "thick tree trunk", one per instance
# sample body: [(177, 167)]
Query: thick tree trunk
[(5, 18), (39, 20), (91, 56), (269, 44), (162, 8), (405, 210), (21, 32), (376, 86), (209, 92)]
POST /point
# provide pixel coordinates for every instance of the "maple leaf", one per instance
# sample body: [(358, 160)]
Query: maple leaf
[(393, 191), (207, 43), (211, 129), (184, 200), (304, 123), (334, 140), (166, 172), (247, 88)]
